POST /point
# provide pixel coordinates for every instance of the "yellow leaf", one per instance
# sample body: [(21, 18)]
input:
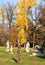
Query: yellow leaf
[(31, 3), (2, 10), (21, 35)]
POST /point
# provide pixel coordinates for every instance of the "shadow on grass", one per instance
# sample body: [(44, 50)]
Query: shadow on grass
[(15, 60), (42, 57)]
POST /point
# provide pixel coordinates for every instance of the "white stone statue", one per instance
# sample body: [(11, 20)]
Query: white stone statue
[(27, 46), (7, 44), (9, 47)]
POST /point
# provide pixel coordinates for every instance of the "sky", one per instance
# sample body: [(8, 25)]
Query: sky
[(3, 2)]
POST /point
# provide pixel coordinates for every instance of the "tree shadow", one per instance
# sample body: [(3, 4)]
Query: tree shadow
[(15, 60), (42, 57)]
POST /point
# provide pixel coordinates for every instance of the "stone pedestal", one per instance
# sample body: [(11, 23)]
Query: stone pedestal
[(11, 49)]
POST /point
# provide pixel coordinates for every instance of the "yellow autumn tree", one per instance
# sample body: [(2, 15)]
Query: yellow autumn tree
[(22, 17), (22, 22), (3, 14)]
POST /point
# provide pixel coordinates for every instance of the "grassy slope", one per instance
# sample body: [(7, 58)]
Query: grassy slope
[(8, 59)]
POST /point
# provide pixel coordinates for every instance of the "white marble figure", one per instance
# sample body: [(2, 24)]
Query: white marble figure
[(7, 44), (9, 47), (27, 46)]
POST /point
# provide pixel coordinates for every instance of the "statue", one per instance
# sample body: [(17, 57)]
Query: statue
[(27, 46), (9, 46)]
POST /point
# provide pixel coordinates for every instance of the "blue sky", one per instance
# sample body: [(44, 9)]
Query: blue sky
[(3, 2)]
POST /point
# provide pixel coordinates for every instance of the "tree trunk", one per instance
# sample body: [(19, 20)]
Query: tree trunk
[(2, 28), (9, 30), (19, 52), (33, 40)]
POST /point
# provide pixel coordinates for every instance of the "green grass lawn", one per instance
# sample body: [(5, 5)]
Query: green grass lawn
[(7, 58)]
